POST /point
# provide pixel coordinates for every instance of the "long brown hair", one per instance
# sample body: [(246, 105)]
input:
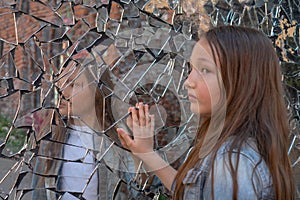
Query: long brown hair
[(255, 106)]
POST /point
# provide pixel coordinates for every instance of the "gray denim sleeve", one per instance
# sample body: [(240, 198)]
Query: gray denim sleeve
[(248, 181)]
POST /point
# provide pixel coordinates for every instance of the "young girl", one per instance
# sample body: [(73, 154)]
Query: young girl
[(82, 103), (240, 151)]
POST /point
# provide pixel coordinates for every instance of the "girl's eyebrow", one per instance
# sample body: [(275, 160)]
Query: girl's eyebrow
[(203, 60)]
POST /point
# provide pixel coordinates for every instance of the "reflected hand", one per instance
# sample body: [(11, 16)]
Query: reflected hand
[(142, 125)]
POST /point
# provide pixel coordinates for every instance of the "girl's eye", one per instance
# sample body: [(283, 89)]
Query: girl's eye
[(189, 68), (204, 70), (70, 84), (76, 84)]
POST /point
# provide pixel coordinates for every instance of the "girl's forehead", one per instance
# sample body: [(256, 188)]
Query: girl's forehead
[(74, 75), (83, 76), (69, 75), (202, 52)]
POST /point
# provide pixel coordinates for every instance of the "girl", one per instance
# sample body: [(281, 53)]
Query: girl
[(240, 151), (83, 104)]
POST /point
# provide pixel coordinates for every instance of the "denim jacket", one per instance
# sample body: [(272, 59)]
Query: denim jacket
[(253, 177)]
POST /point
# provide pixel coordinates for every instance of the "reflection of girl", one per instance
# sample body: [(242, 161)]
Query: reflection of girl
[(74, 176), (71, 149), (240, 150)]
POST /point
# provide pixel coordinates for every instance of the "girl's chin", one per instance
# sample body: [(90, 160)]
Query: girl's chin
[(198, 111), (63, 111), (194, 107)]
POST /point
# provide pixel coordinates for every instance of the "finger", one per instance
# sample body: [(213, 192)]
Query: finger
[(123, 143), (152, 124), (125, 138), (142, 114), (147, 115), (150, 128), (121, 138), (129, 120), (134, 115)]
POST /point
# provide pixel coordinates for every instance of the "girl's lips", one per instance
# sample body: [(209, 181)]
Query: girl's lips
[(191, 97), (63, 105)]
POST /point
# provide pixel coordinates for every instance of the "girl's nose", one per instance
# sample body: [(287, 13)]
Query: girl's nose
[(66, 92), (189, 83)]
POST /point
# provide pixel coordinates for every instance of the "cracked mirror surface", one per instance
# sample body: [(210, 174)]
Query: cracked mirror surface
[(70, 69)]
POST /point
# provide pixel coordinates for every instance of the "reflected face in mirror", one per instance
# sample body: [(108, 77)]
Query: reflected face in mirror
[(78, 93), (82, 100), (202, 83), (79, 90), (65, 85)]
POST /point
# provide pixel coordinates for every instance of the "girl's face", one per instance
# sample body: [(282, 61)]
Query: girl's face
[(79, 95), (65, 84), (202, 83), (83, 97)]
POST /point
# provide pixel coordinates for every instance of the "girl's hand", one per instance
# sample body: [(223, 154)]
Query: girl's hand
[(142, 125)]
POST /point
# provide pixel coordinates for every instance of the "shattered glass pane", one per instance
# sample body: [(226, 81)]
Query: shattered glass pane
[(50, 34), (65, 12), (77, 31), (130, 10), (81, 11), (8, 32), (40, 11), (116, 12), (53, 4), (102, 19), (25, 33), (69, 70)]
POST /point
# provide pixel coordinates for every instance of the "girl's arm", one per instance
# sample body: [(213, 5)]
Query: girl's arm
[(142, 126)]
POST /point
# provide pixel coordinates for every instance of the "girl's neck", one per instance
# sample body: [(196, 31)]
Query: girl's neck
[(92, 123)]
